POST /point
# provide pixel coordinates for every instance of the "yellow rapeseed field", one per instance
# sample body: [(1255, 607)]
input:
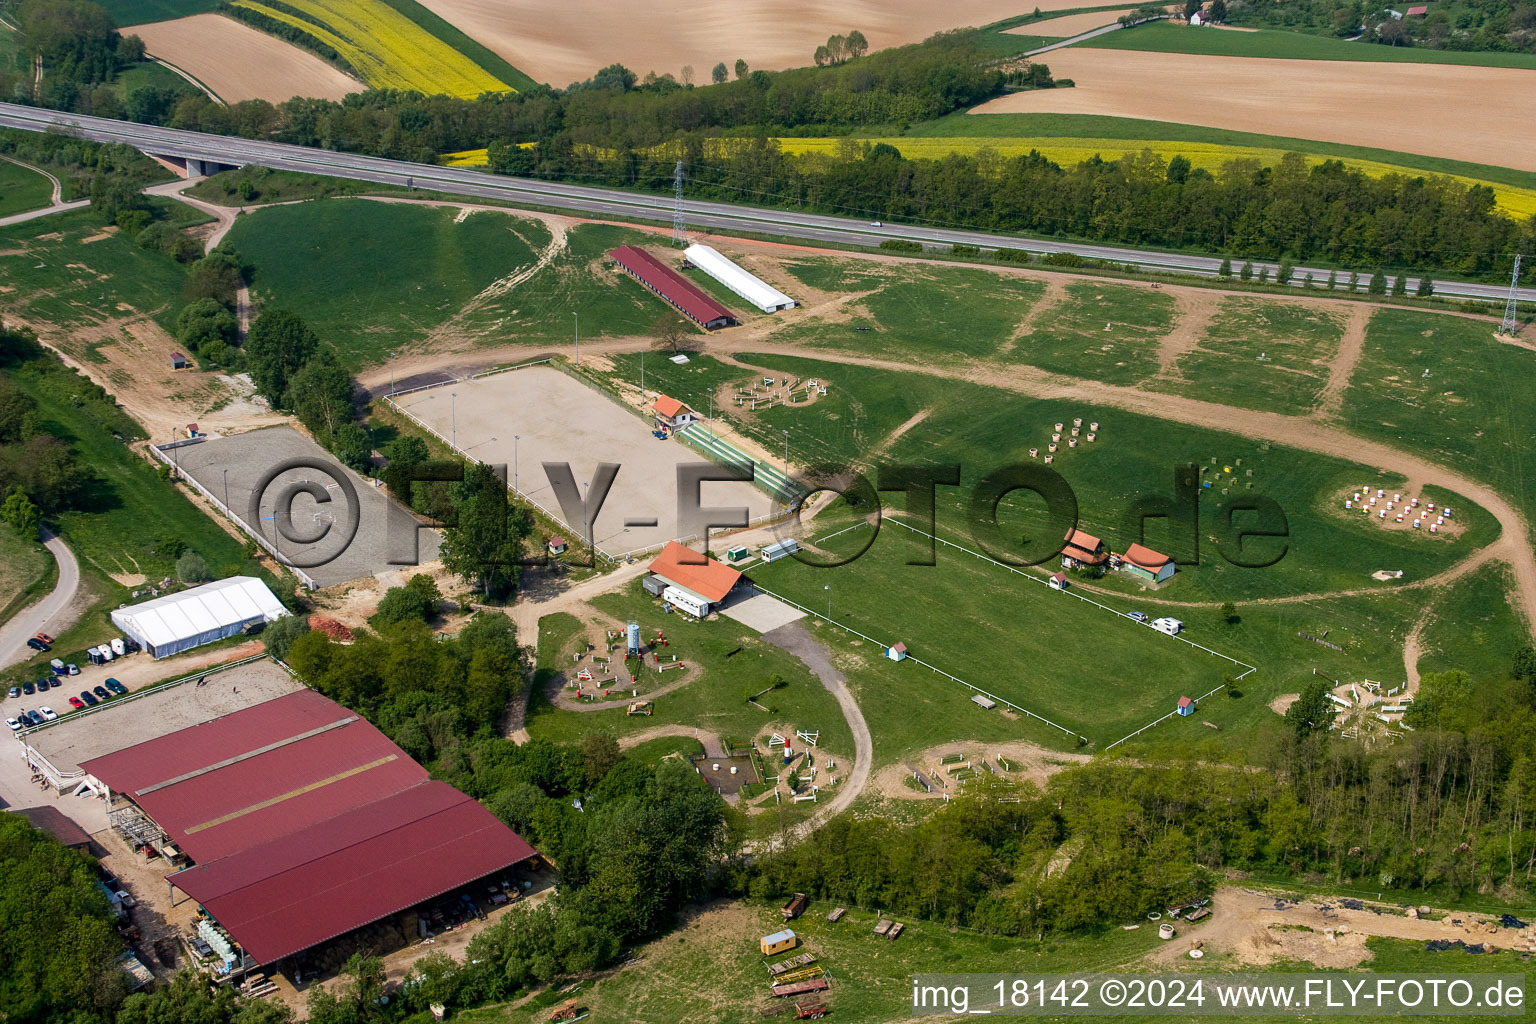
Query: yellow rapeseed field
[(387, 49), (1517, 202), (467, 158)]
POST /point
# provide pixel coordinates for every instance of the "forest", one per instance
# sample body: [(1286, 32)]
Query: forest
[(1479, 25)]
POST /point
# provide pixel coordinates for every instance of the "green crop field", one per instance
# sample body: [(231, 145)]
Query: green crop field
[(918, 312), (1259, 354), (128, 520), (1104, 126), (141, 12), (1447, 388), (22, 189), (59, 277), (1105, 332), (1164, 37)]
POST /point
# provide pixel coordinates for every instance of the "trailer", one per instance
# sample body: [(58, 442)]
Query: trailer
[(883, 926), (796, 906), (810, 1009), (568, 1010), (836, 914), (801, 988)]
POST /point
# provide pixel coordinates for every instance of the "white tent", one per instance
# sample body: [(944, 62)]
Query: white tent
[(174, 623), (749, 286)]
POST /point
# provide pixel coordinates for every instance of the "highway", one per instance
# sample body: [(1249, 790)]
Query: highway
[(602, 202)]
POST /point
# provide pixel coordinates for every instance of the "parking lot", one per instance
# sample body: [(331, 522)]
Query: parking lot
[(524, 418), (314, 531)]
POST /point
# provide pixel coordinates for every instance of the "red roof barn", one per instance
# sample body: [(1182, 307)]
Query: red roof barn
[(305, 821), (682, 293)]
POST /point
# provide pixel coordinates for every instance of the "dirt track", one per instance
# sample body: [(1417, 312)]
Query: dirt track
[(1455, 109)]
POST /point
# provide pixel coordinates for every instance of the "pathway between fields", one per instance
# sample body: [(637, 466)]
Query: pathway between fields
[(1513, 544), (52, 615), (56, 203), (797, 640)]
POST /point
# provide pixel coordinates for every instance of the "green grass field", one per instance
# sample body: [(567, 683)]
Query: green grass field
[(715, 701), (1103, 126), (60, 278), (1133, 457), (1473, 627), (22, 189), (1258, 354), (1446, 388), (25, 569), (1164, 37), (128, 518), (1072, 338), (709, 971), (374, 277), (1009, 635), (919, 313)]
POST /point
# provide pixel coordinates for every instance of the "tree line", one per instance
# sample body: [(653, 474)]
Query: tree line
[(1500, 26)]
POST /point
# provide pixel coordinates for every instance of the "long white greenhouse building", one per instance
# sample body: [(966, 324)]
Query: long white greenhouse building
[(749, 286)]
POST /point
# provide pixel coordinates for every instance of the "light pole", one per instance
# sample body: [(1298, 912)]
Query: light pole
[(786, 456), (226, 490), (453, 417), (828, 589), (576, 327), (515, 439), (642, 377)]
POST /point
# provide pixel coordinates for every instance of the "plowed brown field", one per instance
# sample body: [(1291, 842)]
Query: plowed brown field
[(240, 63)]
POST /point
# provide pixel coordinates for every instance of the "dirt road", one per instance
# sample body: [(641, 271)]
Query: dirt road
[(796, 639)]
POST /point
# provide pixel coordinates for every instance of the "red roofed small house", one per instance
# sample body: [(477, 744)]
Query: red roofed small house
[(1058, 581), (1082, 549), (1186, 706), (1417, 12), (1147, 565), (672, 414), (555, 545)]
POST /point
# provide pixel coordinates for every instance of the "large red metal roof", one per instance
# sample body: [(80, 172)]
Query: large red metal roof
[(277, 767), (671, 285), (378, 859), (305, 821)]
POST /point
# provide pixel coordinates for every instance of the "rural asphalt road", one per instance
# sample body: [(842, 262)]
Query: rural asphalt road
[(602, 202), (51, 614)]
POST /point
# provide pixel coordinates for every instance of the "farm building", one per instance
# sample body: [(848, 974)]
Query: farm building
[(179, 361), (177, 622), (556, 545), (1418, 12), (1082, 549), (701, 580), (304, 822), (897, 651), (672, 414), (677, 290), (1058, 581), (1147, 565), (744, 283), (778, 942), (1186, 706), (55, 823)]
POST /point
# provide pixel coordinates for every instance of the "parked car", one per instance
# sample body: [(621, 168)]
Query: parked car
[(44, 637), (14, 691), (74, 670), (76, 703), (102, 692), (35, 718), (36, 644), (1138, 616), (116, 687), (53, 682), (29, 688), (48, 713), (13, 725), (89, 698)]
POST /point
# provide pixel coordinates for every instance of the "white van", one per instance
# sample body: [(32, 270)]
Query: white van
[(1169, 626)]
